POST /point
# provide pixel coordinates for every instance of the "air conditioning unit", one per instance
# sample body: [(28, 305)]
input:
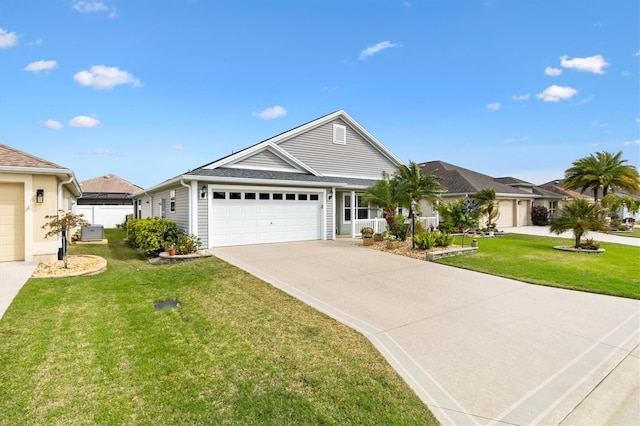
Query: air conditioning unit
[(92, 233)]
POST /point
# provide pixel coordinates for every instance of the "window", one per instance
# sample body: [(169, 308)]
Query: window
[(339, 134), (302, 197), (172, 201), (363, 210), (277, 196), (313, 197), (217, 195), (235, 195), (553, 205), (264, 196), (249, 195), (291, 196)]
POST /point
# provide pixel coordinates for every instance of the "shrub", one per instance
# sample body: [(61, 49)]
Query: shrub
[(445, 227), (186, 243), (589, 244), (419, 227), (539, 215), (443, 239), (367, 231), (151, 235), (425, 240), (401, 228)]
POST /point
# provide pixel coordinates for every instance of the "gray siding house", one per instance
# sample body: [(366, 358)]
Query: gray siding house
[(303, 184)]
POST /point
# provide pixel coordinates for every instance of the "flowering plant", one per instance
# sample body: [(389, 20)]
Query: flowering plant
[(367, 231)]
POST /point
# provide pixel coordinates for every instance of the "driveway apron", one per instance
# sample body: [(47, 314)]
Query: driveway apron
[(477, 349)]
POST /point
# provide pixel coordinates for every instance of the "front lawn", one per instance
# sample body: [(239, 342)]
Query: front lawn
[(532, 259), (94, 350), (633, 234)]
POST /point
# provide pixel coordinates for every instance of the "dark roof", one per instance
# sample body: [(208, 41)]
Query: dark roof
[(511, 181), (459, 180), (15, 158), (276, 175)]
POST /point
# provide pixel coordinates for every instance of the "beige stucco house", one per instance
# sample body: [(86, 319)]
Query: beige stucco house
[(30, 189)]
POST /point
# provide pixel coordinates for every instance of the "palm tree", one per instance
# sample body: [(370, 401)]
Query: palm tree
[(580, 216), (605, 170), (486, 198), (388, 194), (419, 186)]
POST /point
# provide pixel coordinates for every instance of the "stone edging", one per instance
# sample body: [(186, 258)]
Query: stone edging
[(447, 253), (101, 267), (575, 250)]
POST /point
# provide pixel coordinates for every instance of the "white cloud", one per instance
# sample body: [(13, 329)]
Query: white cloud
[(103, 151), (36, 42), (406, 4), (271, 113), (557, 93), (636, 142), (637, 120), (102, 77), (553, 72), (593, 64), (38, 66), (598, 124), (7, 39), (53, 124), (521, 97), (372, 50), (637, 53), (585, 100), (595, 144), (177, 147), (84, 6), (84, 121), (494, 106), (626, 74), (509, 140)]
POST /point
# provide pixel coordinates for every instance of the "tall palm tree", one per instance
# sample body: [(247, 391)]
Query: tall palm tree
[(388, 193), (486, 198), (419, 186), (580, 216), (602, 170)]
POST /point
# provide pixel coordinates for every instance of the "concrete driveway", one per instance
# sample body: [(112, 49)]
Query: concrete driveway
[(477, 349)]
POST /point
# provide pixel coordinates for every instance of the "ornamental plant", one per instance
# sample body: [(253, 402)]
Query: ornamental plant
[(63, 222), (539, 215), (187, 243), (367, 232)]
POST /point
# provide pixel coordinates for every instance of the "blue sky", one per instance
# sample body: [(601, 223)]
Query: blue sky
[(147, 90)]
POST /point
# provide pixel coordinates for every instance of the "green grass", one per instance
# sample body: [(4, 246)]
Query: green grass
[(532, 259), (633, 234), (93, 350)]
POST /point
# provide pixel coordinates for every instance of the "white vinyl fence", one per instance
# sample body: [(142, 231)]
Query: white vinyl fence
[(107, 216)]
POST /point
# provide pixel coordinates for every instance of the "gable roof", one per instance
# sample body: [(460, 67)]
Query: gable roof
[(109, 184), (12, 157), (555, 186), (275, 140), (13, 160), (459, 180)]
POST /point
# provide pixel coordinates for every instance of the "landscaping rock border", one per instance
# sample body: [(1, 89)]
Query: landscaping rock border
[(578, 250)]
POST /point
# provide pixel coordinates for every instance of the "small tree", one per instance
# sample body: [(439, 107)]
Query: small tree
[(62, 223), (580, 216), (486, 199)]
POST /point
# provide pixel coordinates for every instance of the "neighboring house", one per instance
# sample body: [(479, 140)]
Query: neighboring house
[(556, 186), (107, 200), (304, 184), (514, 196), (30, 189)]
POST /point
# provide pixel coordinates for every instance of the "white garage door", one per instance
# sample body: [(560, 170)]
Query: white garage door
[(248, 217), (11, 222)]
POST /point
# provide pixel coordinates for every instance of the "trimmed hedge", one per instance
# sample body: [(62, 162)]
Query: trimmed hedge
[(151, 235)]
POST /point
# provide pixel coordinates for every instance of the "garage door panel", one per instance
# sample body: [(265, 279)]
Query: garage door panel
[(12, 234), (237, 222)]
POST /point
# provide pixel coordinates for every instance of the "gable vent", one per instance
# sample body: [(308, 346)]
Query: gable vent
[(339, 134)]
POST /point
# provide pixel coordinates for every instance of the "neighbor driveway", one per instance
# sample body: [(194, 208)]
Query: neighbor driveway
[(477, 349)]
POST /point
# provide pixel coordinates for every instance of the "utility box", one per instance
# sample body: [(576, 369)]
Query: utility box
[(92, 233)]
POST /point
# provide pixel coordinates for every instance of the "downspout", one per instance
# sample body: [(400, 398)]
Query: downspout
[(60, 184), (190, 206)]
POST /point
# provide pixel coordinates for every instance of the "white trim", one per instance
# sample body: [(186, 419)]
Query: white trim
[(241, 188), (352, 176), (353, 214)]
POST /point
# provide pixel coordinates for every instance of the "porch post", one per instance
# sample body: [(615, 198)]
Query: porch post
[(334, 202), (353, 214)]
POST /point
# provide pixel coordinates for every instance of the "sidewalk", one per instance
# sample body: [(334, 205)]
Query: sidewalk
[(13, 275), (598, 236)]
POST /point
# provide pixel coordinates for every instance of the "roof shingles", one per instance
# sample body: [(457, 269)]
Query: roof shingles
[(15, 158)]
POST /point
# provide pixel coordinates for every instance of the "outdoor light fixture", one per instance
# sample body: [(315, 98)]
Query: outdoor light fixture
[(330, 195), (39, 196), (203, 192)]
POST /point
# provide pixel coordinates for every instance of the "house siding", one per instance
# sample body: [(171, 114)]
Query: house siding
[(265, 160), (328, 217), (203, 220), (356, 158)]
